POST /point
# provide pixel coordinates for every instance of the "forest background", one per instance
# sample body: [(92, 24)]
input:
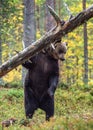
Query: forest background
[(74, 96), (11, 35)]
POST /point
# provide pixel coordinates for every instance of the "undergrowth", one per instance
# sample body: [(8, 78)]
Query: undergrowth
[(73, 110)]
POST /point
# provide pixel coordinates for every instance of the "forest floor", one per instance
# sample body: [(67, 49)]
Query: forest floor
[(73, 110)]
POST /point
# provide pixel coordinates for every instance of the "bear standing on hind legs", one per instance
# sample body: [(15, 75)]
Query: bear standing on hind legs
[(42, 79)]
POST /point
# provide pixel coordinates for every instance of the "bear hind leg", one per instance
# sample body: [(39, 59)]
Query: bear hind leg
[(47, 104), (30, 103)]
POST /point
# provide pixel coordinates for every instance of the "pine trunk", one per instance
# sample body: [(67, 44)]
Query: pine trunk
[(85, 49), (29, 35)]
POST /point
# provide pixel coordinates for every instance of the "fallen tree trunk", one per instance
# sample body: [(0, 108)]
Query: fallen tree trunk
[(52, 36)]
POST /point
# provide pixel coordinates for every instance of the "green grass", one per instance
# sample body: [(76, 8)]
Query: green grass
[(73, 110)]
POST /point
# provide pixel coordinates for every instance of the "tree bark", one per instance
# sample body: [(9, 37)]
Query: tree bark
[(1, 22), (1, 81), (50, 37), (29, 23), (85, 48), (29, 35), (38, 17)]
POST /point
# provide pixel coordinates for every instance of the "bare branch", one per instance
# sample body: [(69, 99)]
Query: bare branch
[(76, 21), (54, 14)]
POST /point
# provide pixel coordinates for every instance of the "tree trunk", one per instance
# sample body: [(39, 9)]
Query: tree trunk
[(29, 23), (1, 22), (1, 80), (50, 37), (29, 35), (85, 49), (0, 51), (38, 17)]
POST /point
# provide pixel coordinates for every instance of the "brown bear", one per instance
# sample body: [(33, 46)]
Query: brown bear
[(42, 78)]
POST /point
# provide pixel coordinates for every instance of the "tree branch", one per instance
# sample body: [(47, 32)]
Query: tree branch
[(50, 37), (54, 14)]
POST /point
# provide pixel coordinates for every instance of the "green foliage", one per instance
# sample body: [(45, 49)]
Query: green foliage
[(73, 110), (13, 93), (13, 84), (63, 85), (39, 2), (91, 92), (10, 24)]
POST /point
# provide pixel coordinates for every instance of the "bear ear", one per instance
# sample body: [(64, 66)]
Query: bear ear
[(66, 43)]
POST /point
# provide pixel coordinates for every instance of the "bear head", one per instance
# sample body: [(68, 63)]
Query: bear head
[(59, 50)]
